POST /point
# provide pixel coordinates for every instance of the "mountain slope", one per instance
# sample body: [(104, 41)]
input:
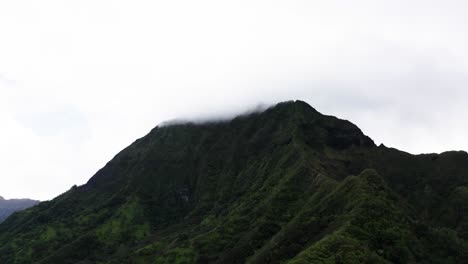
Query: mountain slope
[(271, 187), (7, 207)]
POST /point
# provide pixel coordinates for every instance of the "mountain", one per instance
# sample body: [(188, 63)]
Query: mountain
[(7, 207), (288, 185)]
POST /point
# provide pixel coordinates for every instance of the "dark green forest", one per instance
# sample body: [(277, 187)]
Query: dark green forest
[(287, 185)]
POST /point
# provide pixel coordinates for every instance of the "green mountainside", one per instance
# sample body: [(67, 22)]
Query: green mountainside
[(288, 185), (7, 207)]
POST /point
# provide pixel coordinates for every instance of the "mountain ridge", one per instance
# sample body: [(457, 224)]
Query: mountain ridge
[(9, 206), (284, 185)]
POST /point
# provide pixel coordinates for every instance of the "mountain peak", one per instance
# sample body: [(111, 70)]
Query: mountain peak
[(287, 184), (319, 129), (1, 198), (296, 106)]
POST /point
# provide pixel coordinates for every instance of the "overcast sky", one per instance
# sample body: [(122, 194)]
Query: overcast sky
[(80, 80)]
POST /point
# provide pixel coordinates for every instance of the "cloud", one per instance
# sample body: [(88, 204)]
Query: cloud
[(81, 80)]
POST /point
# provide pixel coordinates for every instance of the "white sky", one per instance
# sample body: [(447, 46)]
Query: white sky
[(80, 80)]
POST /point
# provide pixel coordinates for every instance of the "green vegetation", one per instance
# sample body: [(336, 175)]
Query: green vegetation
[(288, 185)]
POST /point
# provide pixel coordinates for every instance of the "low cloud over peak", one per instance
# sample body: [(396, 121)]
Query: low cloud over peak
[(79, 81)]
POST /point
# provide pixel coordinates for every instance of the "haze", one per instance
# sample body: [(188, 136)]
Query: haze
[(80, 80)]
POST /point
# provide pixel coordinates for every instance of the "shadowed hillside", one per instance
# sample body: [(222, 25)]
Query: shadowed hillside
[(288, 185)]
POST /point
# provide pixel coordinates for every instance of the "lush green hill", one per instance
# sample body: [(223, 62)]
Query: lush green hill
[(288, 185), (7, 207)]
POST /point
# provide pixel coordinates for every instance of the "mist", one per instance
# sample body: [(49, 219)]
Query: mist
[(79, 81)]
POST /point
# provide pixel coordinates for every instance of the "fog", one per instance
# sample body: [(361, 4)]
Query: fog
[(80, 80)]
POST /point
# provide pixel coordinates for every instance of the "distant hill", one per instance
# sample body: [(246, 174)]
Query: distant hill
[(7, 207), (288, 185)]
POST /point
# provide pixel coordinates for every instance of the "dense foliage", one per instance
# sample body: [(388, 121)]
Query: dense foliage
[(288, 185)]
